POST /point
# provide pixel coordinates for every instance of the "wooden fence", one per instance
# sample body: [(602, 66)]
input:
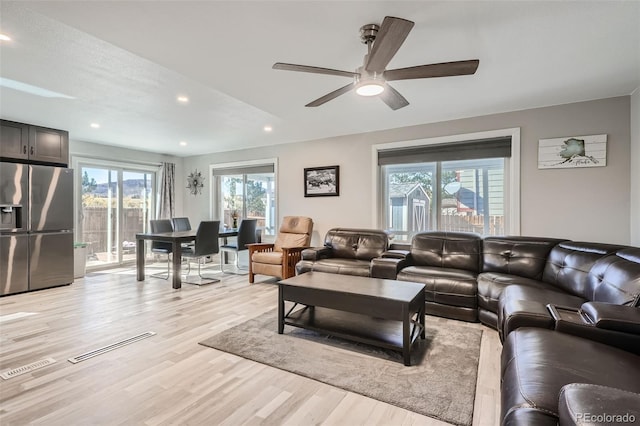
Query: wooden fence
[(95, 228), (474, 223)]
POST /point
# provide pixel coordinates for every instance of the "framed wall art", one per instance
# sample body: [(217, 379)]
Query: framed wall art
[(572, 151), (322, 181)]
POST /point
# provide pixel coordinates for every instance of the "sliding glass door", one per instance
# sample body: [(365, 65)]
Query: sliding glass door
[(115, 203)]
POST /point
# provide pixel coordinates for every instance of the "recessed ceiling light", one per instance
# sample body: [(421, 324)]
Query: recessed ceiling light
[(95, 125), (183, 99), (4, 37), (183, 143), (267, 128)]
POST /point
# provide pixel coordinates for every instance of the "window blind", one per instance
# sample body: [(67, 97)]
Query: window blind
[(244, 170), (467, 150)]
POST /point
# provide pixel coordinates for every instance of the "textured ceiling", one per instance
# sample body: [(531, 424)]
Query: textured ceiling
[(124, 63)]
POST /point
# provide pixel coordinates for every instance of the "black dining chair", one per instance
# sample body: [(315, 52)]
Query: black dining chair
[(246, 235), (158, 247), (181, 224), (206, 244)]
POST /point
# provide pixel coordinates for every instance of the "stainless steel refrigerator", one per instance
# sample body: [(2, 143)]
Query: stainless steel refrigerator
[(36, 227)]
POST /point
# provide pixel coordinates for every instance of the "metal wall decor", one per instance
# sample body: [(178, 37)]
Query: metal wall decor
[(195, 182)]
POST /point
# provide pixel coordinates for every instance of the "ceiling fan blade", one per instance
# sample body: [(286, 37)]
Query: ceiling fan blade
[(315, 70), (445, 69), (390, 37), (393, 98), (330, 96)]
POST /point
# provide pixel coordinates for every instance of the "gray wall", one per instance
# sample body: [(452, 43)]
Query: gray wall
[(635, 168), (589, 204)]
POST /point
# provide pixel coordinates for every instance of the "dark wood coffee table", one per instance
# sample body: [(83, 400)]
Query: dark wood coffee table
[(383, 313)]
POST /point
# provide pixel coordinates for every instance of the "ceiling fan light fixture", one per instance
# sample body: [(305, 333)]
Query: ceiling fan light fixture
[(370, 88)]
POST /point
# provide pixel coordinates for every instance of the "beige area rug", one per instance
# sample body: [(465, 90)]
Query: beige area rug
[(440, 383)]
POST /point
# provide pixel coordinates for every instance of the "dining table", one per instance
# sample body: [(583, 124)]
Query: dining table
[(176, 239)]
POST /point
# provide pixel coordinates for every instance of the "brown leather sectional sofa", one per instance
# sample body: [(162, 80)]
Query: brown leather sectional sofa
[(568, 312)]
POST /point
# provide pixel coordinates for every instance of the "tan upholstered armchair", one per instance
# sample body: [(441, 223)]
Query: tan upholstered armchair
[(279, 259)]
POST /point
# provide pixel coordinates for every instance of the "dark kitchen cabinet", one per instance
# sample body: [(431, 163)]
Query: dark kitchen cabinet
[(48, 145), (14, 140), (34, 143)]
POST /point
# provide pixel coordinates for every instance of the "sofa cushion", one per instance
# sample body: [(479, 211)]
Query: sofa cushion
[(537, 363), (569, 263), (295, 231), (456, 250), (268, 257), (361, 244), (448, 286), (582, 403), (267, 269), (336, 266), (522, 256), (492, 284), (616, 279), (290, 240)]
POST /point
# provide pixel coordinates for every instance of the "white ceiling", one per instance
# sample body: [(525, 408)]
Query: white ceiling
[(124, 63)]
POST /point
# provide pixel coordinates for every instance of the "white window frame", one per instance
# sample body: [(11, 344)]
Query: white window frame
[(214, 195), (78, 161), (511, 175)]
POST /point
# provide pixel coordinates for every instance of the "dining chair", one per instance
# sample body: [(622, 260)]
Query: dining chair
[(158, 247), (246, 235), (181, 224), (206, 244)]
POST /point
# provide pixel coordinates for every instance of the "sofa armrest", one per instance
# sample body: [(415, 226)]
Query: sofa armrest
[(395, 254), (316, 253), (400, 246), (386, 267), (582, 403), (612, 317), (576, 322)]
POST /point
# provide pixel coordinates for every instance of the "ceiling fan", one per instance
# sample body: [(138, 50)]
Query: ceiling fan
[(371, 79)]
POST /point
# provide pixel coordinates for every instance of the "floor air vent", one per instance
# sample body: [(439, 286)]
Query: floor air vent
[(26, 368), (111, 347)]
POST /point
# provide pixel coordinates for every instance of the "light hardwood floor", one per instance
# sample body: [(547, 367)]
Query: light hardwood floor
[(168, 378)]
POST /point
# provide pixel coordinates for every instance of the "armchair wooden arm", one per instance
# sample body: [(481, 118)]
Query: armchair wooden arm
[(259, 247), (290, 256)]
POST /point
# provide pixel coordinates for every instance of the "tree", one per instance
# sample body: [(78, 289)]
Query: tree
[(88, 185), (255, 197), (424, 179)]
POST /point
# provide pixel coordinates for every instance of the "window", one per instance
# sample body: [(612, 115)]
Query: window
[(246, 191), (453, 186)]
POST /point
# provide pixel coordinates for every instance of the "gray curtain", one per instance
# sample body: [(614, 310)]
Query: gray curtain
[(167, 204)]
